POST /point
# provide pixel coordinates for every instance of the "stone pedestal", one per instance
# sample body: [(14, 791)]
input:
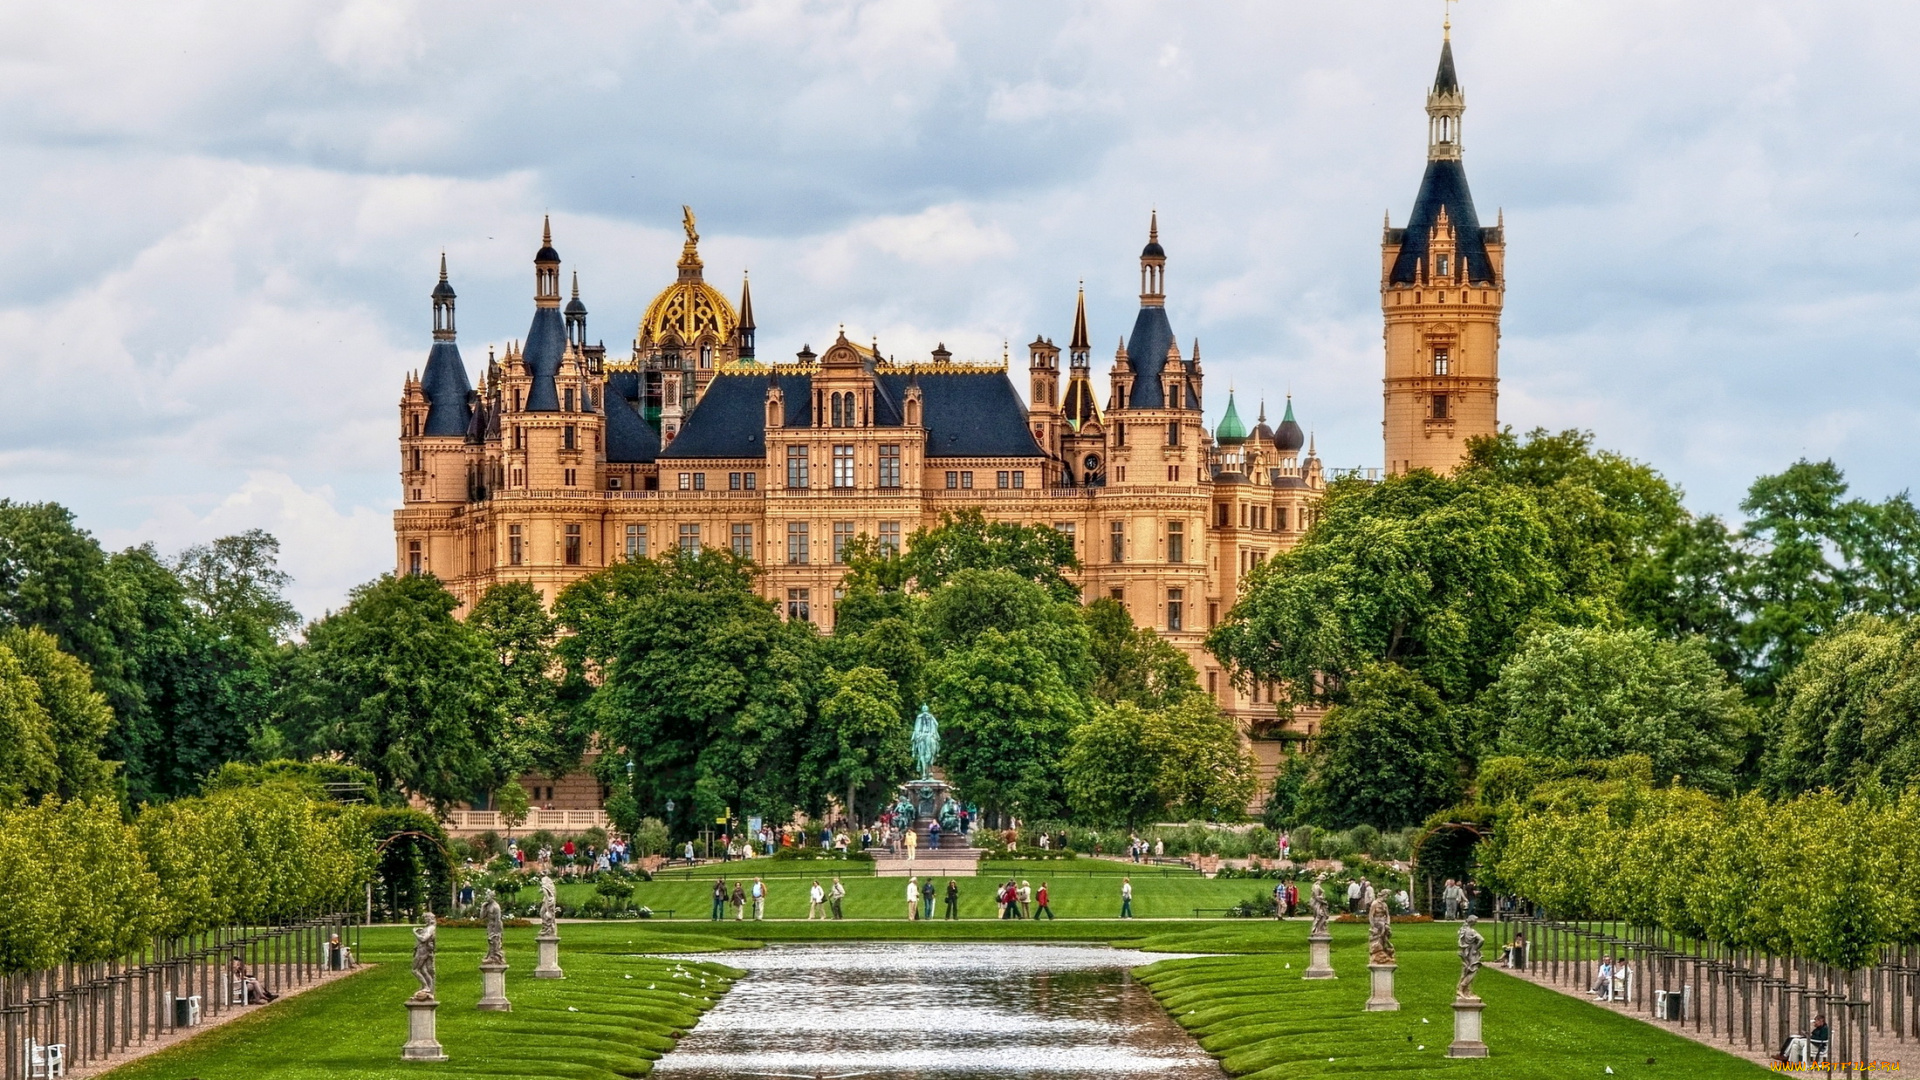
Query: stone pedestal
[(1319, 957), (423, 1043), (1466, 1029), (1382, 999), (493, 988), (549, 966)]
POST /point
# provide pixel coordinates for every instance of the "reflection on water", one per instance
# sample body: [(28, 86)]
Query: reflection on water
[(936, 1011)]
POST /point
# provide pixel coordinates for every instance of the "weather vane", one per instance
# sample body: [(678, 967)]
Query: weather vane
[(1446, 24), (687, 223)]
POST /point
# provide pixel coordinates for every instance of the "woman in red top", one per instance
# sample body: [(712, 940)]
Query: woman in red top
[(1040, 904)]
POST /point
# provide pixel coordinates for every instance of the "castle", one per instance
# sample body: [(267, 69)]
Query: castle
[(562, 461)]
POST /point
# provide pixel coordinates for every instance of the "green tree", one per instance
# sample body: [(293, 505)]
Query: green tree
[(1127, 765), (1111, 770), (966, 540), (1592, 694), (1133, 663), (1005, 712), (1385, 757), (1436, 575), (77, 717), (515, 627), (395, 684), (1844, 717), (860, 746), (706, 688), (29, 762), (973, 602), (236, 582)]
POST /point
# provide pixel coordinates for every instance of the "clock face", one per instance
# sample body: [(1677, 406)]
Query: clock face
[(1092, 462)]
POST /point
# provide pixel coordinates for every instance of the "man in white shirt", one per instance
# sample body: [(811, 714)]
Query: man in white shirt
[(815, 897), (913, 897), (1353, 895)]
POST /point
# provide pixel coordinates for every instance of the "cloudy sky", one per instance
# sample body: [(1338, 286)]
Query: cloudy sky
[(222, 219)]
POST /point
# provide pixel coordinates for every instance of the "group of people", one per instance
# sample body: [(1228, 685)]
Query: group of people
[(1458, 899), (920, 896), (573, 859), (1018, 900)]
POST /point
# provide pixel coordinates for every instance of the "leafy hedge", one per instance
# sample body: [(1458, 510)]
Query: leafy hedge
[(85, 885), (1815, 876)]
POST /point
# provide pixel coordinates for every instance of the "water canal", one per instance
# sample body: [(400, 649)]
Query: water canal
[(937, 1012)]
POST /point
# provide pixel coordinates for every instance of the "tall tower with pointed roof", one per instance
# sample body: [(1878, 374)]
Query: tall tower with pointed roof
[(1442, 287)]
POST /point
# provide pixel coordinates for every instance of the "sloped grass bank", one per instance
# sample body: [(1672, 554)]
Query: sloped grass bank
[(613, 1016), (1262, 1020)]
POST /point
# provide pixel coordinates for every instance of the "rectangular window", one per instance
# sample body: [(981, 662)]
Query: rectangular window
[(1173, 473), (569, 406), (699, 481), (798, 606), (953, 479), (414, 566), (1019, 478), (1117, 542), (1213, 613), (514, 550), (889, 466), (1173, 433), (733, 481), (1220, 515), (566, 437), (966, 479), (1213, 684), (690, 539), (890, 537), (843, 466), (1176, 541), (842, 535), (613, 483), (1175, 604), (686, 481), (573, 545), (796, 543), (1442, 360), (636, 541), (1118, 594), (753, 481), (1280, 518), (568, 476), (796, 466), (1120, 433), (1066, 528), (1259, 517), (1439, 406), (742, 539), (1002, 479)]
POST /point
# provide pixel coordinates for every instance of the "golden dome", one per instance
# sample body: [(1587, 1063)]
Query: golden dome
[(689, 309)]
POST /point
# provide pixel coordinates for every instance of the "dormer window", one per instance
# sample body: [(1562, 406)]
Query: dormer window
[(1444, 264)]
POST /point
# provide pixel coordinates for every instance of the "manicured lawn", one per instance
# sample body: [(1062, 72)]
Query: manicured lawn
[(1262, 1020), (1082, 888), (1251, 1008), (597, 1024)]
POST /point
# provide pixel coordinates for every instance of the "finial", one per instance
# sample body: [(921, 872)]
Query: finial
[(546, 230), (443, 265), (687, 222), (1263, 405), (1446, 26), (1153, 227), (576, 284)]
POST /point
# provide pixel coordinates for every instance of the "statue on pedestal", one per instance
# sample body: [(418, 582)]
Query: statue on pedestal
[(1318, 905), (496, 953), (424, 944), (926, 742), (1379, 931), (549, 908), (1470, 945)]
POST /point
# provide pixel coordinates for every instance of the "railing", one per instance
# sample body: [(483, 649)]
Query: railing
[(94, 1012), (478, 821)]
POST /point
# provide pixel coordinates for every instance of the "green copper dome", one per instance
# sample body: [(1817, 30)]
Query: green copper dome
[(1231, 429)]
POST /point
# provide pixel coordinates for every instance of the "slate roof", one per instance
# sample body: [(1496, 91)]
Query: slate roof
[(447, 389), (966, 415), (1445, 184), (546, 346), (1147, 352), (1444, 80), (629, 437)]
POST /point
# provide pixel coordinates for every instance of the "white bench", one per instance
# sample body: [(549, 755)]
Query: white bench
[(46, 1060)]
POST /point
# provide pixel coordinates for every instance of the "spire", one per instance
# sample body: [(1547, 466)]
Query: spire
[(1446, 103), (443, 297), (1080, 346), (1232, 431), (690, 251), (576, 313), (546, 268), (1153, 266), (746, 318), (1287, 438)]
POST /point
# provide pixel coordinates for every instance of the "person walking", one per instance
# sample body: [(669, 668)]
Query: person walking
[(1353, 896), (690, 851), (815, 897), (913, 899), (837, 894), (913, 840), (1280, 901), (1293, 899), (719, 899), (1004, 898), (933, 836), (926, 898), (953, 899), (1041, 906), (1126, 898), (759, 899), (1026, 900)]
